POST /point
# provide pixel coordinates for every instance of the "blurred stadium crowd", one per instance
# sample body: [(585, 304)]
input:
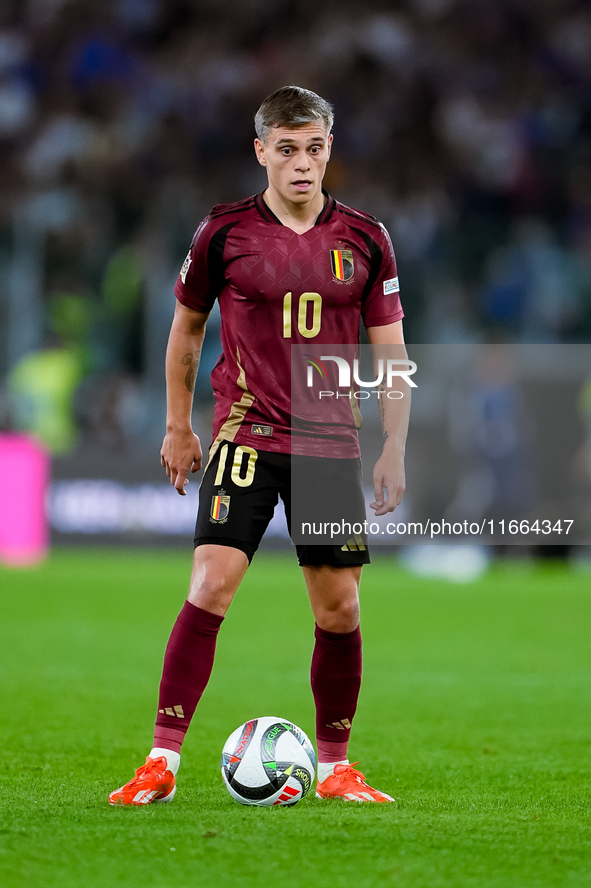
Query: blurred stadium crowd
[(464, 125)]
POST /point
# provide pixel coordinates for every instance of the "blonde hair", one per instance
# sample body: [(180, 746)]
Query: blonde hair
[(292, 106)]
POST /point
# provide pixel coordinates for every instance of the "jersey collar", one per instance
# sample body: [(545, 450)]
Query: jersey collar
[(269, 216)]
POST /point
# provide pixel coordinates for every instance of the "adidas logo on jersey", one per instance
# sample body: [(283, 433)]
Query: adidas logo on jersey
[(258, 429)]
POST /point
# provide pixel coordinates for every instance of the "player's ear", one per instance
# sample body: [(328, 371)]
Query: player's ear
[(259, 150), (329, 143)]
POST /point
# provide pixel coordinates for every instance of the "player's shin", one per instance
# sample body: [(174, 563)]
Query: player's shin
[(188, 662), (336, 679)]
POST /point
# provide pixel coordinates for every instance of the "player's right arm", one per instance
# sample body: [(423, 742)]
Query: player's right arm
[(181, 449)]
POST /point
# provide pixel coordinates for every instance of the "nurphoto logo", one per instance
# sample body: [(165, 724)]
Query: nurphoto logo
[(387, 371)]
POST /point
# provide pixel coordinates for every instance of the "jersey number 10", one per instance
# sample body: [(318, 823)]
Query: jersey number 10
[(306, 299)]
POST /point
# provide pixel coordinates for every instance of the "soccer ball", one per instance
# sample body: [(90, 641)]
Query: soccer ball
[(268, 761)]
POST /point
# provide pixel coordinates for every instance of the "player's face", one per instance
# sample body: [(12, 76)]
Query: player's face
[(295, 159)]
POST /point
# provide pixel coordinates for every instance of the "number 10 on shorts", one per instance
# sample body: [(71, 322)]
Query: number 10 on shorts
[(241, 475)]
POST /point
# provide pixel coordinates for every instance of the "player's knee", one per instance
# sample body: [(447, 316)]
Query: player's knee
[(216, 576), (211, 595), (339, 616)]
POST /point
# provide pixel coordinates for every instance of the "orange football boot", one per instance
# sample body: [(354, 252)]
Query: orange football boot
[(349, 784), (153, 782)]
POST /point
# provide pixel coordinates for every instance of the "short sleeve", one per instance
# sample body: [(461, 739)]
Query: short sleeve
[(197, 287), (382, 304)]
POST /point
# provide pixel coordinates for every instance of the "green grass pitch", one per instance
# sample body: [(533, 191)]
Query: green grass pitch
[(474, 713)]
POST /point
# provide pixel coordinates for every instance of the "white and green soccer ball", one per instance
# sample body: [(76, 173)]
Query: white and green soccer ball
[(268, 761)]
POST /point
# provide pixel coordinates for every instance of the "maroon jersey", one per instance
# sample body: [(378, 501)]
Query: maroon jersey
[(277, 288)]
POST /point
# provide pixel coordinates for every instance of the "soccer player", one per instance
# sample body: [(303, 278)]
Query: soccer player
[(289, 266)]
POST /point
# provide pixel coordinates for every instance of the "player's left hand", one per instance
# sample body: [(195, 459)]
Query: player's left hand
[(388, 477)]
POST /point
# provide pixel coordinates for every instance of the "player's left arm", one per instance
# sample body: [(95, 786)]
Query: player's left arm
[(388, 475)]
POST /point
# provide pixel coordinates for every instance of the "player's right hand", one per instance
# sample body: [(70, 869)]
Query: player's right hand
[(180, 454)]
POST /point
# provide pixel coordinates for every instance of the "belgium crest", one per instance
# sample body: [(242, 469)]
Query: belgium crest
[(220, 506), (342, 264)]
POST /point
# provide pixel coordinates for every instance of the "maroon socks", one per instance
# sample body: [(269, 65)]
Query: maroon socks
[(188, 662), (336, 679)]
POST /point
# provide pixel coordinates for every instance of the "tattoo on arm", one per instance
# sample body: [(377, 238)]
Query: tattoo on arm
[(382, 408), (192, 363)]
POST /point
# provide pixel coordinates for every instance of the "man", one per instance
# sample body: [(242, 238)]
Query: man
[(289, 266)]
